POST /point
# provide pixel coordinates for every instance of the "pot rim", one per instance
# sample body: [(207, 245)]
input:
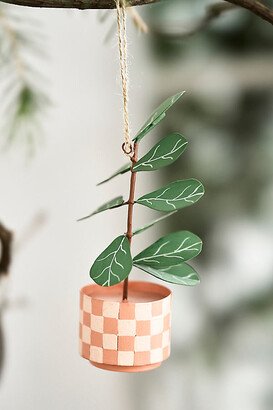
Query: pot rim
[(126, 369), (162, 291)]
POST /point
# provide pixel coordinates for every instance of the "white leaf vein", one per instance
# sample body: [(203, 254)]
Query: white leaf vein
[(110, 266), (166, 156), (176, 253), (187, 198)]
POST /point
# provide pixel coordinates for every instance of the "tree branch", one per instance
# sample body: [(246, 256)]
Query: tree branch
[(256, 7), (213, 11), (5, 256), (76, 4)]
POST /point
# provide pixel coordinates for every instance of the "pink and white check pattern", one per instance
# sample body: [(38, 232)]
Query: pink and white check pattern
[(124, 334)]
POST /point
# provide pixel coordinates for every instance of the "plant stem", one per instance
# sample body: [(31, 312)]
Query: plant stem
[(129, 232)]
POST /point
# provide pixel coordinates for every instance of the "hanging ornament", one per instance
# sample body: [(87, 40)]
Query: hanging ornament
[(125, 326)]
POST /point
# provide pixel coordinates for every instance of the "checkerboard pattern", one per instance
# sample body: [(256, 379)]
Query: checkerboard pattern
[(124, 333)]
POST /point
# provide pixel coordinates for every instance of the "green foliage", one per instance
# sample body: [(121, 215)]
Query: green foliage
[(183, 274), (24, 100), (165, 259), (176, 195), (22, 121), (164, 153), (113, 203), (125, 168), (170, 250), (157, 116), (114, 264), (150, 224)]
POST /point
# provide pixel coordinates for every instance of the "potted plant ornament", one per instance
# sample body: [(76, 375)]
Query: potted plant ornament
[(125, 326)]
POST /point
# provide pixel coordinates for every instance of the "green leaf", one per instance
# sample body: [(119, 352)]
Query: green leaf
[(157, 116), (170, 250), (183, 274), (164, 153), (125, 168), (114, 203), (143, 228), (176, 195), (114, 264)]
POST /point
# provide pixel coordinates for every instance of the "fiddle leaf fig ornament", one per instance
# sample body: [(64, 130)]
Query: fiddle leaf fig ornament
[(165, 259), (112, 331)]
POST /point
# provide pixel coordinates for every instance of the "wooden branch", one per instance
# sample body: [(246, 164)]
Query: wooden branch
[(6, 241), (213, 11), (76, 4), (256, 7)]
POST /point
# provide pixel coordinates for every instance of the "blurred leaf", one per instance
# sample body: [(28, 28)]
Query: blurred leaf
[(23, 100), (114, 203), (23, 120), (164, 153), (125, 168), (182, 274), (150, 224), (170, 250), (157, 116), (176, 195), (114, 264)]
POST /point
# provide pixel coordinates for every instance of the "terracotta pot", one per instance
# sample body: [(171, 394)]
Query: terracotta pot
[(132, 336)]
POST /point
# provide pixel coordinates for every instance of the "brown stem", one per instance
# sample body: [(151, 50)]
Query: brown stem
[(6, 240), (129, 232)]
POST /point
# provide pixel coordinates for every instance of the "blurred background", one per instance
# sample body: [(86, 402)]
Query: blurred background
[(61, 133)]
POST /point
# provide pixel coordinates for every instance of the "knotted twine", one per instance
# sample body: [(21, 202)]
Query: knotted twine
[(127, 146)]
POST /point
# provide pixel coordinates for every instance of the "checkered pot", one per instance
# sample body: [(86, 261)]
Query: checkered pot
[(130, 336)]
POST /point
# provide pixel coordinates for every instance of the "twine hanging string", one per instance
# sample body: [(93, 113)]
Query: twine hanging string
[(127, 146)]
